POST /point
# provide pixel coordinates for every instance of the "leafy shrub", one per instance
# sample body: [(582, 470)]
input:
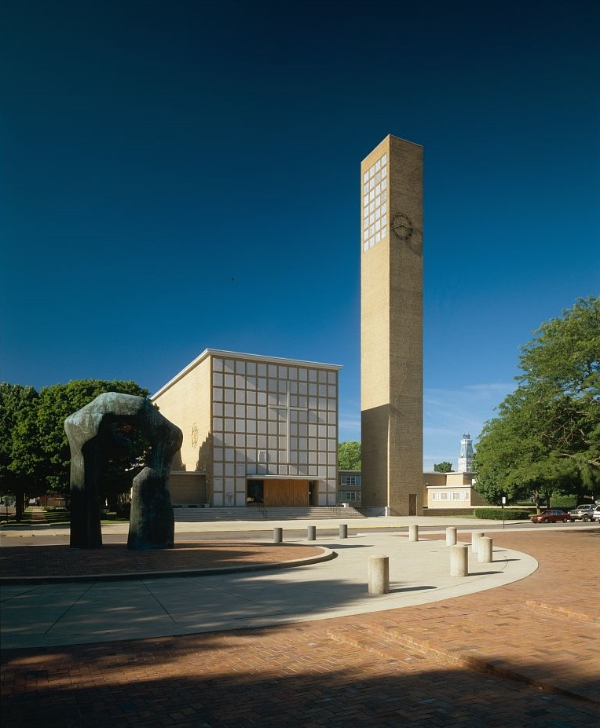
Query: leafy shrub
[(565, 501), (499, 514)]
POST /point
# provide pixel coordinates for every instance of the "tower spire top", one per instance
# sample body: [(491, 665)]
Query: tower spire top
[(465, 458)]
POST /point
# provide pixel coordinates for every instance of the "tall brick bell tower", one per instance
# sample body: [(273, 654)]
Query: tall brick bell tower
[(392, 327)]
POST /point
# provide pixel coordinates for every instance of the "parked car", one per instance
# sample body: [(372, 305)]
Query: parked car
[(554, 515), (583, 512), (596, 514)]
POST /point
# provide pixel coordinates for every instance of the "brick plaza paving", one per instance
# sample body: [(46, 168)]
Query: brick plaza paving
[(523, 654), (113, 560)]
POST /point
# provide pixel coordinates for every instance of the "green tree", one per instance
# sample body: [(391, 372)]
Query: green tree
[(17, 467), (40, 449), (546, 438), (444, 467), (349, 455)]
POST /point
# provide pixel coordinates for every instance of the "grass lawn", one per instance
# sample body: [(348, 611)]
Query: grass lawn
[(55, 517)]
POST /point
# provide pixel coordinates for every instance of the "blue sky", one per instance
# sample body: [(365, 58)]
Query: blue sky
[(177, 175)]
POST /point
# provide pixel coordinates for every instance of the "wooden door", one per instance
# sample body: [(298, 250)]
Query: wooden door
[(412, 504), (285, 493)]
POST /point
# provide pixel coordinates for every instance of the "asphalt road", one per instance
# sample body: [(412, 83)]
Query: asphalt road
[(47, 536)]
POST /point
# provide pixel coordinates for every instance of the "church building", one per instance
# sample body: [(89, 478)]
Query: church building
[(257, 431), (263, 431)]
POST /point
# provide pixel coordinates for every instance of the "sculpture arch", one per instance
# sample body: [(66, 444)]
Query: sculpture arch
[(151, 524)]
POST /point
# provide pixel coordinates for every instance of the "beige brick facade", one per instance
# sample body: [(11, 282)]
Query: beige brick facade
[(392, 327)]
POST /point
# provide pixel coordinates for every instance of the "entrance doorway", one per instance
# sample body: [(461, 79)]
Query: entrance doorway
[(278, 493), (255, 493), (412, 504)]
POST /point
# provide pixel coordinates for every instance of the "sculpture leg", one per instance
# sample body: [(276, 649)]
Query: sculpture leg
[(151, 524), (86, 530)]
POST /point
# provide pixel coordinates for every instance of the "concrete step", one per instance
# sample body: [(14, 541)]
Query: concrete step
[(191, 514)]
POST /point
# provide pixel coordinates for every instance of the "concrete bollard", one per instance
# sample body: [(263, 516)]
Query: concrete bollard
[(459, 560), (343, 530), (379, 574), (413, 533), (277, 535), (450, 536), (475, 536), (311, 533), (484, 550)]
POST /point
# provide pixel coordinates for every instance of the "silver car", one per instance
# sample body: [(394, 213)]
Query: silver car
[(583, 512)]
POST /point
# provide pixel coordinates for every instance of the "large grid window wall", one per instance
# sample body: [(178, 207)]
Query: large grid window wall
[(271, 419)]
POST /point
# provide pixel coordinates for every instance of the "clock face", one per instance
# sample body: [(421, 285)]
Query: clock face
[(402, 227)]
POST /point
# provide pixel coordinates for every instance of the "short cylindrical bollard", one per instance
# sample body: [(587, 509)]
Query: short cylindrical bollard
[(311, 534), (459, 560), (450, 536), (379, 574), (277, 535), (475, 536), (484, 550), (343, 530), (413, 533)]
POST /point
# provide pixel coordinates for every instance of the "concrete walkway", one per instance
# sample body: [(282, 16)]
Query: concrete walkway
[(95, 611)]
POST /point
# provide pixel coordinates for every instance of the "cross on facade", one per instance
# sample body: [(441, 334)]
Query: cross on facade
[(288, 408)]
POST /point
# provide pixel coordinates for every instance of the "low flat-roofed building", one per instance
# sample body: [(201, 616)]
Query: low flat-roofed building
[(445, 491), (257, 430)]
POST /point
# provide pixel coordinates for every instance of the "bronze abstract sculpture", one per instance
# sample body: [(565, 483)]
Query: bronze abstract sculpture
[(151, 524)]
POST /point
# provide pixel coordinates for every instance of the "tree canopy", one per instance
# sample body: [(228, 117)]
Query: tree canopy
[(546, 437), (34, 450), (17, 465), (443, 467), (349, 455)]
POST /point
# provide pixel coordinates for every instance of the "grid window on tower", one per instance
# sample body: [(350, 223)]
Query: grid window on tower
[(374, 208)]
